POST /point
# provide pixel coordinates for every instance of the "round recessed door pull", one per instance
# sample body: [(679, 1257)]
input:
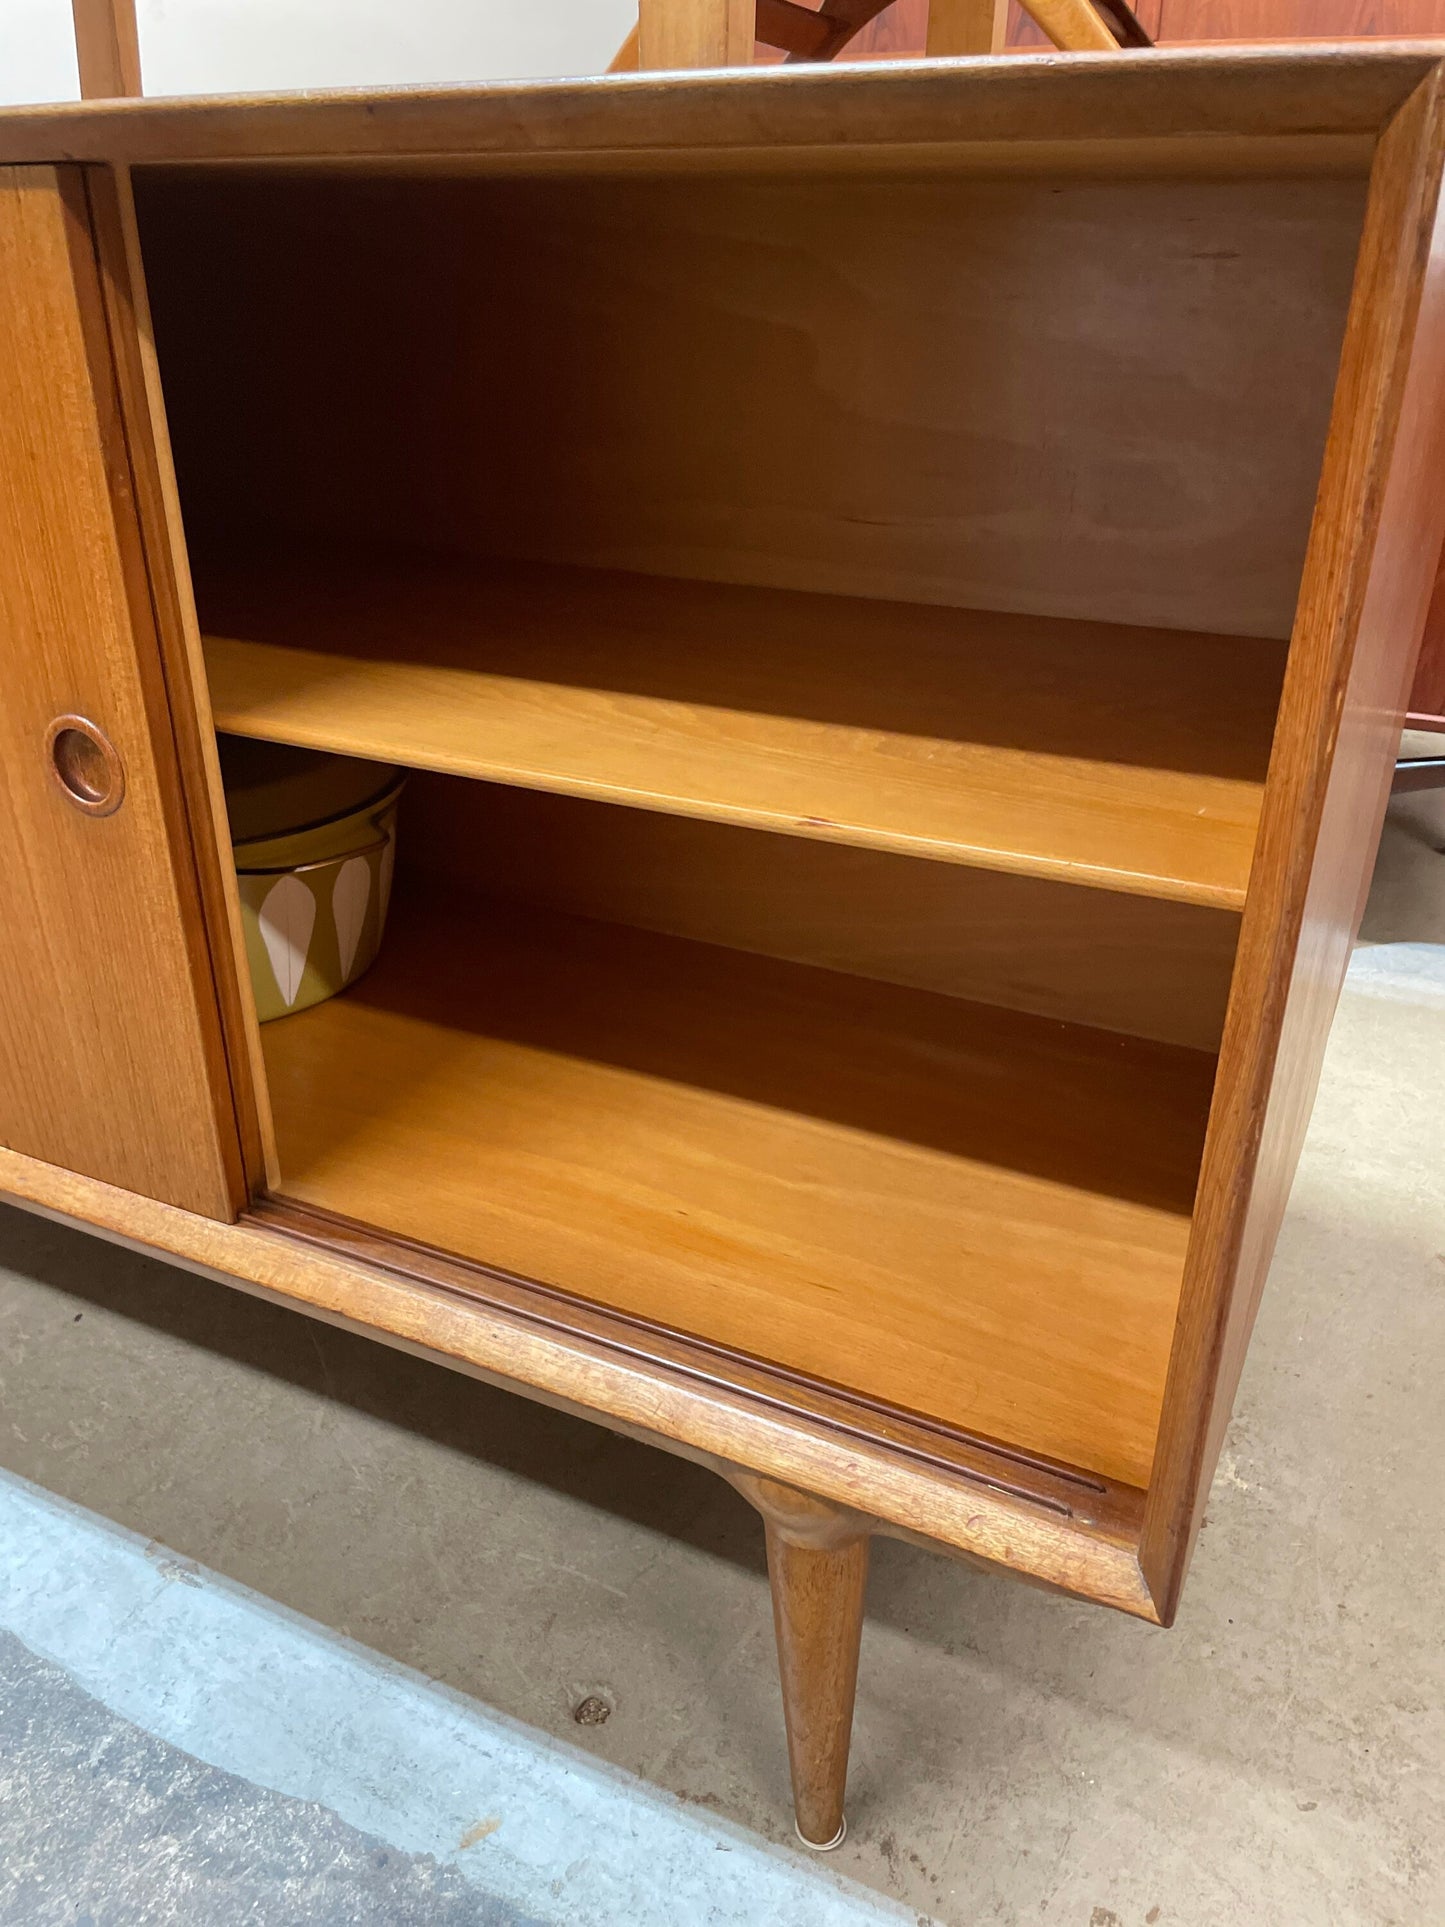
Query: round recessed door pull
[(86, 765)]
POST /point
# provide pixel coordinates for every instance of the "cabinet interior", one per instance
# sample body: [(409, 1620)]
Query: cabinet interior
[(837, 626)]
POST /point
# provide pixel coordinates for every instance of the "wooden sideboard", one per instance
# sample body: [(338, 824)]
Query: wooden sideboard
[(898, 588)]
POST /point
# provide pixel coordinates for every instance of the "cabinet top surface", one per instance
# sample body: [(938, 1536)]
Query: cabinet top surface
[(1328, 100)]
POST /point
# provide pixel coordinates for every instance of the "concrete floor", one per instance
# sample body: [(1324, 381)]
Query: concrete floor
[(1278, 1757), (176, 1749)]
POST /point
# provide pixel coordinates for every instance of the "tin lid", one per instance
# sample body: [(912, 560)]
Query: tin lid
[(274, 790)]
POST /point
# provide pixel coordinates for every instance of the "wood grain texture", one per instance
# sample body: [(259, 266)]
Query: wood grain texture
[(1367, 586), (107, 48), (966, 1212), (110, 1053), (818, 1597), (996, 741), (1103, 1506), (955, 27), (694, 33), (1073, 25), (818, 1574), (1263, 108), (836, 388), (1095, 957), (158, 513), (824, 33), (1025, 35), (1196, 20), (787, 31), (710, 1421)]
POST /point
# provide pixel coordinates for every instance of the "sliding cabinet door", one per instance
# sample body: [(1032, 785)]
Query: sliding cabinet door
[(111, 1057)]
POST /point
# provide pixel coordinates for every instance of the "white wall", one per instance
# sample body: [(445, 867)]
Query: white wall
[(37, 51), (238, 46)]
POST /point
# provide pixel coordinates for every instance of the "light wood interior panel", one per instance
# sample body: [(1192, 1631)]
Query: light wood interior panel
[(966, 1212), (1098, 399), (1094, 957), (1125, 758)]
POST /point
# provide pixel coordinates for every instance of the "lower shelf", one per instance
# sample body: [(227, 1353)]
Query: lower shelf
[(969, 1213)]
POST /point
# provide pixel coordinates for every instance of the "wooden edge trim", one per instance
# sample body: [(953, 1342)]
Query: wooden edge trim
[(95, 292), (189, 732), (716, 1426), (1264, 92), (1305, 900), (1088, 1498)]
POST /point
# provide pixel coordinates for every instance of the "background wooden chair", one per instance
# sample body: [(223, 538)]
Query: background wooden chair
[(724, 33), (702, 33)]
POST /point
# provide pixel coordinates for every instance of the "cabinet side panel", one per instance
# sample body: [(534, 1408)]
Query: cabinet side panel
[(1367, 585), (111, 1061)]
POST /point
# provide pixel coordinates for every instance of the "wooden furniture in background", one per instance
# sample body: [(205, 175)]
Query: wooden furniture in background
[(902, 32), (789, 1047), (731, 33), (1213, 20), (107, 48)]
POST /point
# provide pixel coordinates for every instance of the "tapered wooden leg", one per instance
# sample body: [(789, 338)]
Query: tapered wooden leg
[(818, 1566)]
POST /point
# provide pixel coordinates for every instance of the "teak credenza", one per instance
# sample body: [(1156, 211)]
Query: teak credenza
[(898, 588)]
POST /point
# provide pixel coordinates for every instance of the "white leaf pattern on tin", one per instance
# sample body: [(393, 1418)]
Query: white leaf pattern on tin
[(388, 864), (350, 894), (287, 919)]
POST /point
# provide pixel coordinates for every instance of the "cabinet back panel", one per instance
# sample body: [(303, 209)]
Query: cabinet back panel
[(1125, 963), (1093, 398)]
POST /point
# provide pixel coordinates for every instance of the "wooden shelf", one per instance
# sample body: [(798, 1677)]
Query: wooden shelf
[(955, 1209), (1127, 758)]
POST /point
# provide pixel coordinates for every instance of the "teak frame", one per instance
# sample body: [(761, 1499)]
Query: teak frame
[(823, 1467)]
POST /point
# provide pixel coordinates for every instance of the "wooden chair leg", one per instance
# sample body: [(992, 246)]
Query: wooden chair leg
[(1074, 25), (695, 33), (967, 27), (818, 1568), (107, 48)]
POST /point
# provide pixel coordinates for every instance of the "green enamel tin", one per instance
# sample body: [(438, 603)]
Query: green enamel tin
[(314, 840)]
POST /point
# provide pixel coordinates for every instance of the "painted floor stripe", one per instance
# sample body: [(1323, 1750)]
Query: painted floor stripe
[(245, 1686)]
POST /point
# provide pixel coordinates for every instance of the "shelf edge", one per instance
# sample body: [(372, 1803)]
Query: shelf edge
[(578, 1375), (977, 857)]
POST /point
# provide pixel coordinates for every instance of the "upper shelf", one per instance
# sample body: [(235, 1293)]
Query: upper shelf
[(1126, 758)]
